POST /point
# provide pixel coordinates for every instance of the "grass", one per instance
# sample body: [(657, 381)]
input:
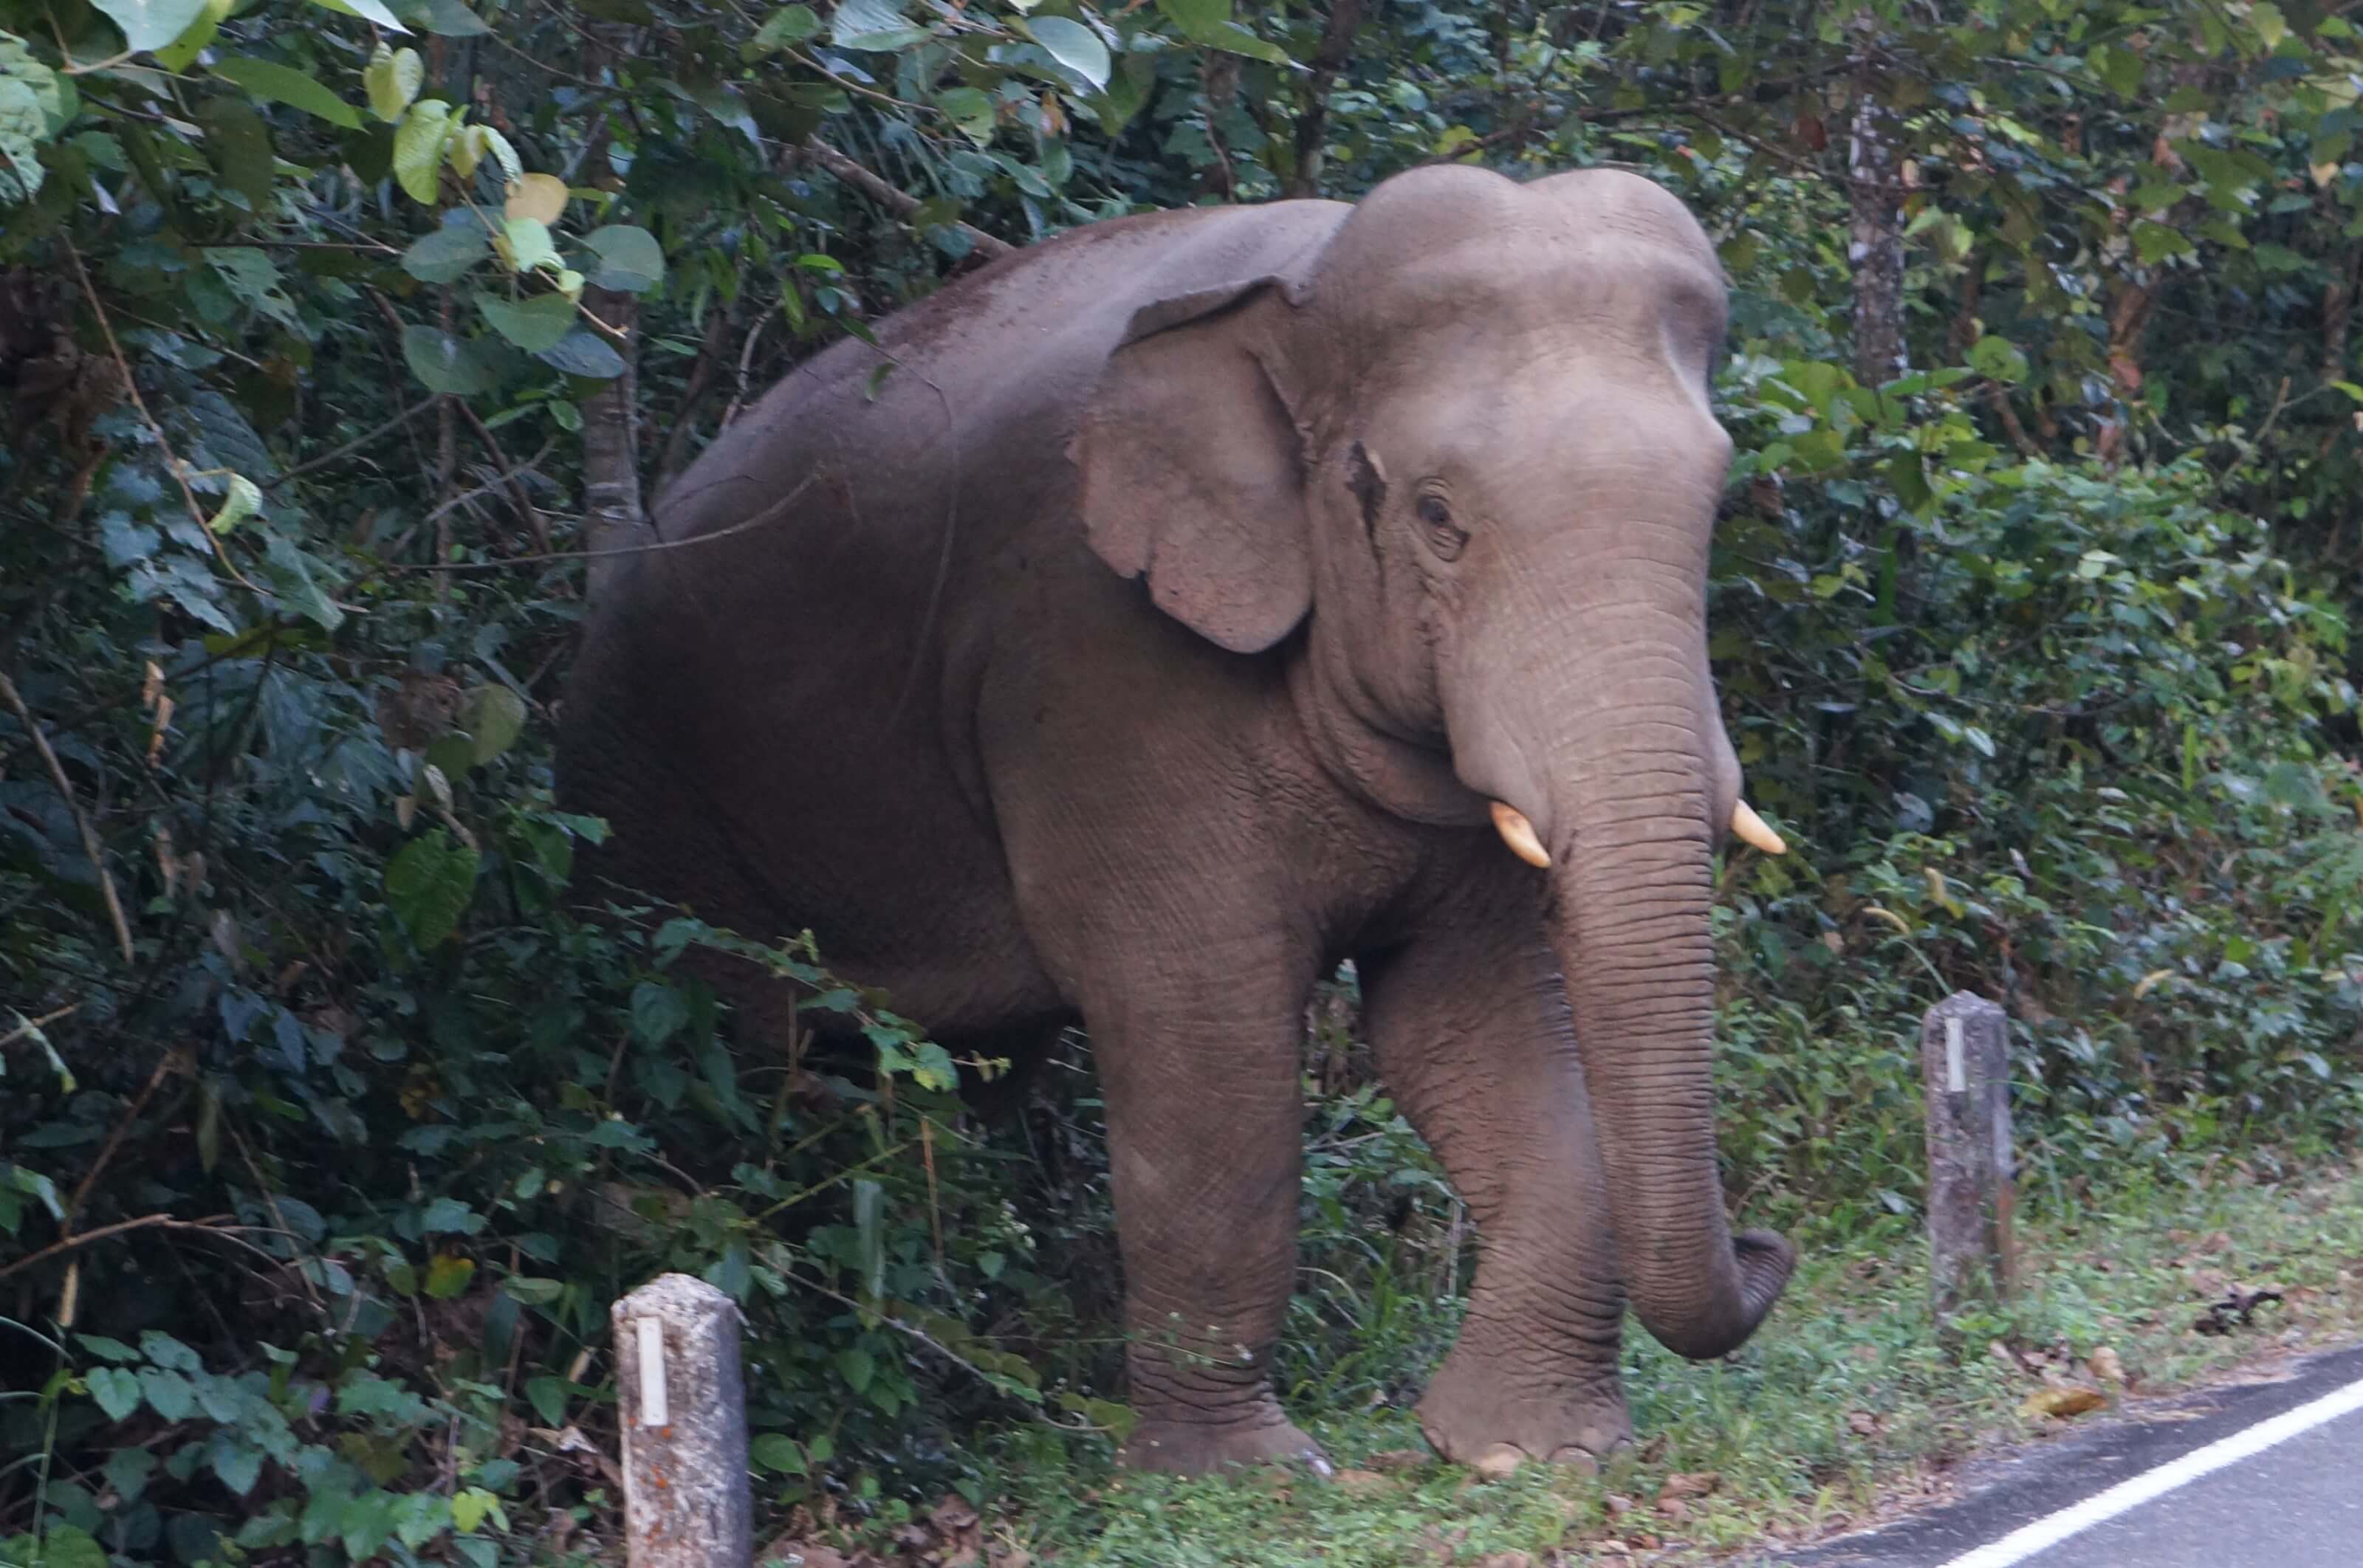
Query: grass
[(1846, 1407)]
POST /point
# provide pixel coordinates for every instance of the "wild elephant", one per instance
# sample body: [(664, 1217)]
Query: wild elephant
[(1161, 614)]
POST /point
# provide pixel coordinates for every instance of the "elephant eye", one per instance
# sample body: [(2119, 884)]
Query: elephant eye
[(1445, 536)]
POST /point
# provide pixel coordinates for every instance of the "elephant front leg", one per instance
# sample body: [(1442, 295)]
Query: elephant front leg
[(1204, 1129), (1470, 1025)]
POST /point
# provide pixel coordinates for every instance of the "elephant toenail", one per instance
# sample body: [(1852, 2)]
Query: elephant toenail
[(1582, 1460), (1318, 1463), (1499, 1463)]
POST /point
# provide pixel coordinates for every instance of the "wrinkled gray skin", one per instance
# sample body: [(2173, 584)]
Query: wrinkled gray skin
[(1157, 635)]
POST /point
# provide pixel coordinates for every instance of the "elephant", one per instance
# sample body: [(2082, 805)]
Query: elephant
[(1150, 619)]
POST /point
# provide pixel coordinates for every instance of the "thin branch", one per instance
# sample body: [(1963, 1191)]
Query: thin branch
[(901, 202), (357, 443), (90, 844), (164, 446), (146, 1222), (114, 1138), (769, 513), (25, 1029), (527, 512)]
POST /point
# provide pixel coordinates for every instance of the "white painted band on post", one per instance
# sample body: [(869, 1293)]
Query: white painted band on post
[(652, 1373), (2151, 1484), (1956, 1074)]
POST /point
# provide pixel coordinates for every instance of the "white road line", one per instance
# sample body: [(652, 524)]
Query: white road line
[(2150, 1485)]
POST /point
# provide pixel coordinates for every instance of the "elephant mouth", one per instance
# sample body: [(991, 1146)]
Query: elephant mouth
[(1527, 845)]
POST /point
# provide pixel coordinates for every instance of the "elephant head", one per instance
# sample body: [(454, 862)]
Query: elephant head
[(1464, 449)]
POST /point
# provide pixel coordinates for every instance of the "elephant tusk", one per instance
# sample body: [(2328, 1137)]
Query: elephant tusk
[(1519, 835), (1754, 829)]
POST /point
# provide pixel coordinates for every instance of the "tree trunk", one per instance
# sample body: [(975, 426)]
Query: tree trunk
[(613, 515), (1875, 192)]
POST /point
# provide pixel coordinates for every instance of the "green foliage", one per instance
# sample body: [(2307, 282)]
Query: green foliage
[(2038, 652)]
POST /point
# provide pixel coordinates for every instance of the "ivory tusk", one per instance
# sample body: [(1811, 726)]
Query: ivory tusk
[(1519, 835), (1755, 830)]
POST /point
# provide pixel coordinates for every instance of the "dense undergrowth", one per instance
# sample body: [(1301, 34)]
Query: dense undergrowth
[(334, 1109)]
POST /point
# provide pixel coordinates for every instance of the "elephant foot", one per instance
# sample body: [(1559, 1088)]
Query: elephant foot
[(1200, 1448), (1493, 1425)]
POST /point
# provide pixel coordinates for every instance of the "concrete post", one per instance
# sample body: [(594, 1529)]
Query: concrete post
[(683, 1410), (1965, 1061)]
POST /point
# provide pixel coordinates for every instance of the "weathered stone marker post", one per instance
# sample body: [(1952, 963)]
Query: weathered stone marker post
[(1964, 1059), (684, 1427)]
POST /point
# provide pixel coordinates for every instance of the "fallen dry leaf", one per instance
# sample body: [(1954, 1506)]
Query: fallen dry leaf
[(1863, 1422), (2062, 1403), (1696, 1484), (1359, 1481), (1396, 1459), (2106, 1366)]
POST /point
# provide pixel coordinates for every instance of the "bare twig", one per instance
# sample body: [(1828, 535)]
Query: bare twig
[(90, 844), (213, 1223), (357, 443), (769, 513), (526, 511), (114, 1138), (27, 1029), (173, 464), (901, 202)]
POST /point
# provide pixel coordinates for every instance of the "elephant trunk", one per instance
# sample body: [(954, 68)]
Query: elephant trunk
[(1630, 921), (1622, 768)]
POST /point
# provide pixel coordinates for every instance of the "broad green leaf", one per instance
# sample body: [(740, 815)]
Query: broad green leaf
[(168, 1393), (1073, 46), (585, 353), (392, 79), (495, 715), (242, 503), (787, 27), (534, 1292), (631, 261), (445, 254), (2154, 242), (526, 244), (541, 197), (255, 279), (176, 55), (875, 26), (419, 146), (238, 1464), (239, 146), (658, 1012), (115, 1390), (446, 18), (152, 24), (446, 364), (1998, 358), (128, 1470), (777, 1451), (284, 84), (429, 883), (472, 1507), (547, 1396), (60, 1546), (2270, 25), (23, 129), (971, 110), (1209, 22), (367, 10), (473, 143)]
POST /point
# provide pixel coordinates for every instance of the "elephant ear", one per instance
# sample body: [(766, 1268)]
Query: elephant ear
[(1190, 465)]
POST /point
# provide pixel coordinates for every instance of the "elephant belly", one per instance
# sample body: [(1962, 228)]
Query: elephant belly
[(768, 808)]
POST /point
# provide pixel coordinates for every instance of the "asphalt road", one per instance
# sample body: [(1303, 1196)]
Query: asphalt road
[(2188, 1482)]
